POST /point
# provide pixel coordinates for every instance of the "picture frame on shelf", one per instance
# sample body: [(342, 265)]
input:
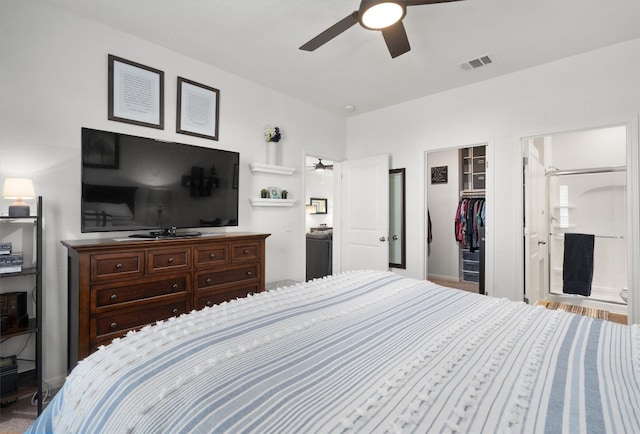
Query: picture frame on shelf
[(197, 110), (136, 93), (275, 193)]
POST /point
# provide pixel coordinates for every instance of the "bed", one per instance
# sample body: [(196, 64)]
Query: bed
[(362, 351)]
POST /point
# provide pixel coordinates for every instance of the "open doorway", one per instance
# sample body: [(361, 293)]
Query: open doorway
[(456, 216), (319, 214), (575, 218)]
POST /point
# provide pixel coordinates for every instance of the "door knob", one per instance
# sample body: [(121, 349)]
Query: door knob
[(383, 239), (542, 243), (395, 237)]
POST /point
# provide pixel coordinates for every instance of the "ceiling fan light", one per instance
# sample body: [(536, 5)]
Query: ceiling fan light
[(381, 14)]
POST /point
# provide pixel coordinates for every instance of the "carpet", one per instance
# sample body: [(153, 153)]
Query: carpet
[(17, 416)]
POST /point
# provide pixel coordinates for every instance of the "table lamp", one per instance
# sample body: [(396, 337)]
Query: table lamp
[(18, 189)]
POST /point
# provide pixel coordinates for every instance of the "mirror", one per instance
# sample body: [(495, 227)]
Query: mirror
[(397, 245)]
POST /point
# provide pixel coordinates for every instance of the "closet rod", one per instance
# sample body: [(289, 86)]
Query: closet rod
[(587, 171)]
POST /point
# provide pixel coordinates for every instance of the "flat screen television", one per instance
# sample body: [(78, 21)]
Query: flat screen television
[(132, 183)]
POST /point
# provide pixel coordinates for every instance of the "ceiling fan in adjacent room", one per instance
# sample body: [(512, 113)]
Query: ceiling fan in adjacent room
[(383, 15), (320, 166)]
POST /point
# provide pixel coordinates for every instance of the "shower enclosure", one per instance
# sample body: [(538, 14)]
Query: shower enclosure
[(590, 201)]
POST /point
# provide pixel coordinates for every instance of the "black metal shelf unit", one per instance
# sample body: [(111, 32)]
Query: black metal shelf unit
[(29, 381)]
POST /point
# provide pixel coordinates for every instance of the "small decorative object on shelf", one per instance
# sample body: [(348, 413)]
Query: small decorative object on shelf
[(284, 194), (264, 193), (272, 135)]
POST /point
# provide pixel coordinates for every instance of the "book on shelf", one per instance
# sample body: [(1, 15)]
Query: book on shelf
[(11, 263), (11, 260), (5, 269), (5, 248)]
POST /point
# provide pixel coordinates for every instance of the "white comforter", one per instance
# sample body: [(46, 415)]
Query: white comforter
[(362, 352)]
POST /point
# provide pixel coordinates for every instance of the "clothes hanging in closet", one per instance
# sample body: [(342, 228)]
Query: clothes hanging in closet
[(470, 216)]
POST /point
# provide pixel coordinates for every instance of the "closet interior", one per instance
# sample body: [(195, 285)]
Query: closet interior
[(456, 200)]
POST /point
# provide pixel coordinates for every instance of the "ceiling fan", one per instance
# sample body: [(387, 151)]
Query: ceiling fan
[(320, 166), (383, 15)]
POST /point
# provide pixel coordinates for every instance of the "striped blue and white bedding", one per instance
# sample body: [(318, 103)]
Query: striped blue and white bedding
[(359, 352)]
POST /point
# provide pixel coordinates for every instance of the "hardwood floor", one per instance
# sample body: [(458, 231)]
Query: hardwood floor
[(465, 286)]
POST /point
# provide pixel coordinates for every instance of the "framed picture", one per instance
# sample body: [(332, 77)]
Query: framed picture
[(274, 193), (320, 204), (101, 150), (439, 174), (198, 106), (136, 93)]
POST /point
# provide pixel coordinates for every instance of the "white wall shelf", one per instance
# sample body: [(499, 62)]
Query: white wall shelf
[(268, 168), (256, 201)]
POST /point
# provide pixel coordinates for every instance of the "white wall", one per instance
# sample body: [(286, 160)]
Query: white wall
[(444, 250), (53, 81), (586, 90)]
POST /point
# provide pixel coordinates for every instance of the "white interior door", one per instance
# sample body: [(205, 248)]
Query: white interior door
[(365, 213), (536, 268)]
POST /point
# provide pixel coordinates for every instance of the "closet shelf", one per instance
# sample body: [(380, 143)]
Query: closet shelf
[(268, 168)]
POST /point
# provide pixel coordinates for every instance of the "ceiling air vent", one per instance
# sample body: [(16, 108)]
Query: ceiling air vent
[(476, 63)]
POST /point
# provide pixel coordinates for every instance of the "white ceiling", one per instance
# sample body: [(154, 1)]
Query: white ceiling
[(259, 40)]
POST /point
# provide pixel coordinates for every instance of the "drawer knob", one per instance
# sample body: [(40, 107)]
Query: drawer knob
[(175, 311), (174, 286), (209, 303), (208, 280), (246, 252), (249, 273), (212, 256), (118, 265), (113, 296), (113, 325), (170, 260)]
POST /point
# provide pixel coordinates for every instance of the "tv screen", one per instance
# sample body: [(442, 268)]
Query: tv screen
[(134, 183)]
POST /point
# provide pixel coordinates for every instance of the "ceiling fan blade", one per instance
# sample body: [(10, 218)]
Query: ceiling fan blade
[(331, 32), (396, 38), (427, 2)]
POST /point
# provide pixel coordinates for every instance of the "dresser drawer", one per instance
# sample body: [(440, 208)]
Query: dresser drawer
[(105, 296), (217, 296), (243, 252), (207, 279), (116, 323), (211, 256), (108, 266), (168, 260)]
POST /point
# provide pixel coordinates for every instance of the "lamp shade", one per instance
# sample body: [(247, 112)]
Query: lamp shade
[(18, 188)]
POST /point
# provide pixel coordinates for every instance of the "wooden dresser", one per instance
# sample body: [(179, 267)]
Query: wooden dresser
[(118, 285)]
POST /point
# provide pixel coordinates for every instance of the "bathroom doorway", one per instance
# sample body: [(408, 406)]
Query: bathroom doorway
[(575, 217)]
